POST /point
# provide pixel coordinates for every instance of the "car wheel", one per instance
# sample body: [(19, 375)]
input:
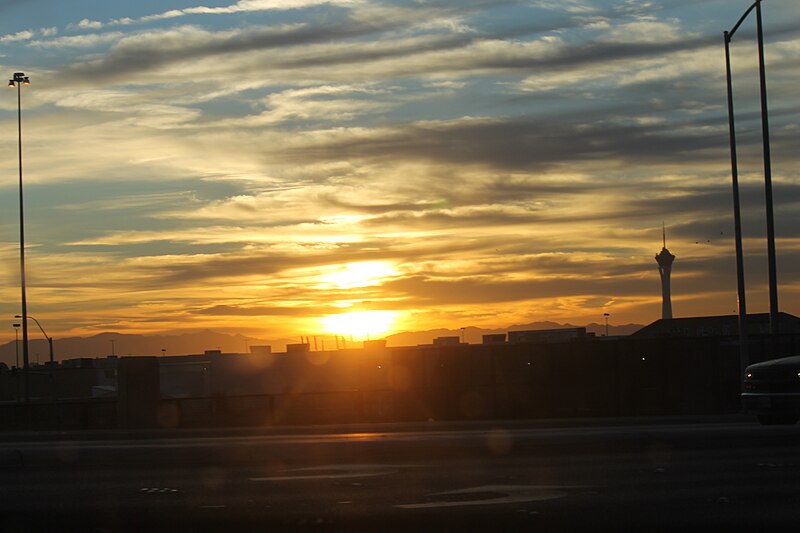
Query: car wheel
[(774, 420)]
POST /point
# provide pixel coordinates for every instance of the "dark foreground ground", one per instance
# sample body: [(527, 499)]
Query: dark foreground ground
[(662, 474)]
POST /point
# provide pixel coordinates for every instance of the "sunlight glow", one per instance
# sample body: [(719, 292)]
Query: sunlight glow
[(352, 275), (360, 324)]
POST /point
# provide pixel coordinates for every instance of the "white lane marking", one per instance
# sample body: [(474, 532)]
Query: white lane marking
[(506, 494), (161, 490), (332, 472)]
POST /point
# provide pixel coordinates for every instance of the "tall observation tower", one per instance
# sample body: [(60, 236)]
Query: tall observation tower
[(665, 259)]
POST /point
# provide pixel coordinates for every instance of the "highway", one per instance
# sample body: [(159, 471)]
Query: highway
[(646, 474)]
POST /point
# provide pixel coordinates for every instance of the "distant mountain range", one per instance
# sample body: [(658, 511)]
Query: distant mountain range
[(126, 344), (197, 342)]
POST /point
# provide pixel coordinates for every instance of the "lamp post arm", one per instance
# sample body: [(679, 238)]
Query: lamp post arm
[(46, 336), (741, 20), (40, 326)]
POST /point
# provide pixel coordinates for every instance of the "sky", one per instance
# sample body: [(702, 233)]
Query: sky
[(282, 168)]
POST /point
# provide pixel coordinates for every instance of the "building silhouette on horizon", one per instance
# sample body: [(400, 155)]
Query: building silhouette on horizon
[(665, 259)]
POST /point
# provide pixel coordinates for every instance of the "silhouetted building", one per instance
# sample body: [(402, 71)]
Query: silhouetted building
[(548, 335), (371, 345), (495, 338), (446, 341), (665, 259), (300, 347), (261, 350), (717, 326)]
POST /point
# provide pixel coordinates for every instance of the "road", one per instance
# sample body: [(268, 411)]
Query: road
[(659, 474)]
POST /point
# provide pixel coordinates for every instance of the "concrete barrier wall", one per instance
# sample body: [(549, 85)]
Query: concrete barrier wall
[(625, 377), (138, 395), (62, 415)]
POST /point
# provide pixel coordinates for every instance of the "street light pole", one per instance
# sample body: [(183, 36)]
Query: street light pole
[(46, 336), (16, 343), (606, 315), (771, 253), (18, 80), (744, 357), (774, 326), (16, 365)]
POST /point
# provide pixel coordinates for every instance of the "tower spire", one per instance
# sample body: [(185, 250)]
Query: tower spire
[(664, 260)]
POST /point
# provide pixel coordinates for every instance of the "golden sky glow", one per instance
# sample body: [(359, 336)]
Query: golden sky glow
[(360, 325), (353, 275), (361, 167)]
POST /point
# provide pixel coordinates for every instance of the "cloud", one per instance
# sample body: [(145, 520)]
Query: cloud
[(137, 112), (78, 41), (18, 36), (411, 46), (87, 24), (645, 31), (148, 51), (524, 144), (337, 103), (242, 6), (230, 310)]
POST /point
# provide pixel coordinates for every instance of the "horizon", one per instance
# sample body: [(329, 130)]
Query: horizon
[(364, 168), (231, 343)]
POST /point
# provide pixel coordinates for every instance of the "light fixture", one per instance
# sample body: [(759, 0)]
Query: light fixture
[(19, 77)]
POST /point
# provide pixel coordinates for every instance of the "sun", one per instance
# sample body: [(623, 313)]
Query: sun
[(360, 325)]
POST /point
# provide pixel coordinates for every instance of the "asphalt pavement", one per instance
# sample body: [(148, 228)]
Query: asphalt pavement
[(661, 474)]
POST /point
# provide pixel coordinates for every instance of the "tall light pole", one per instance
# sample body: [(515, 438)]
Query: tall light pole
[(46, 336), (744, 357), (16, 343), (16, 351), (18, 80), (771, 253), (606, 315), (774, 326)]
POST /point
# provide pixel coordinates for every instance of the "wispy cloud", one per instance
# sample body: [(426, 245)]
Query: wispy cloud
[(87, 24), (242, 6), (77, 41), (24, 35)]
